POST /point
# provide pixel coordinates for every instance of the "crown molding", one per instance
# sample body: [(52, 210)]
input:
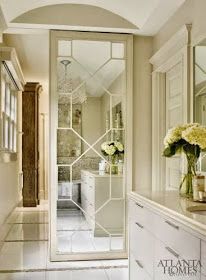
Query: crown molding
[(9, 56), (172, 47)]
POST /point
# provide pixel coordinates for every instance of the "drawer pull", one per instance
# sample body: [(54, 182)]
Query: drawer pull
[(172, 225), (172, 252), (139, 264), (139, 205), (139, 225)]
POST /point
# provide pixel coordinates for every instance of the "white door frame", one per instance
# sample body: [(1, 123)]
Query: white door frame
[(54, 36), (176, 50)]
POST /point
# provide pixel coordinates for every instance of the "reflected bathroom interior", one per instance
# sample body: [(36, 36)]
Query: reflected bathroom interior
[(200, 93), (91, 202)]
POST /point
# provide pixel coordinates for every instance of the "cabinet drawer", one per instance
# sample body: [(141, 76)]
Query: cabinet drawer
[(142, 246), (136, 271), (165, 264), (138, 213), (168, 231), (203, 257)]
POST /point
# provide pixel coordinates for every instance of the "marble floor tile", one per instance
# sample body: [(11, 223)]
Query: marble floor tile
[(117, 243), (23, 276), (71, 221), (28, 232), (117, 273), (12, 218), (59, 275), (75, 241), (31, 217), (96, 274), (101, 243), (23, 255)]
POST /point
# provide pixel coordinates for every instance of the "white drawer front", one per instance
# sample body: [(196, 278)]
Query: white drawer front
[(168, 231), (203, 257), (142, 245), (138, 212), (165, 264), (136, 272)]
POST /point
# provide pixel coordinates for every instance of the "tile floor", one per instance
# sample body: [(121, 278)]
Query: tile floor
[(24, 254), (75, 235)]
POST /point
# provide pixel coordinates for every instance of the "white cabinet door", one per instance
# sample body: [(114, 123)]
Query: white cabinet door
[(174, 116)]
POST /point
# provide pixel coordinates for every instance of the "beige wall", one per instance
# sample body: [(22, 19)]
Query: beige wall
[(10, 176), (142, 114), (9, 189), (192, 11), (91, 122)]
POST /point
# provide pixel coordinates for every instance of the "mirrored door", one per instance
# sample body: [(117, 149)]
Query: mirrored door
[(88, 145)]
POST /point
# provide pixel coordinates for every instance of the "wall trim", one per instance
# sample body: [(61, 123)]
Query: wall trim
[(178, 41), (176, 50)]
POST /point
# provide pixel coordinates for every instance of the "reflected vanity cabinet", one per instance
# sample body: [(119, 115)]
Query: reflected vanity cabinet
[(155, 238), (11, 85), (103, 214)]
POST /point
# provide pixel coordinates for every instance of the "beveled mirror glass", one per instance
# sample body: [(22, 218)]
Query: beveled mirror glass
[(200, 92)]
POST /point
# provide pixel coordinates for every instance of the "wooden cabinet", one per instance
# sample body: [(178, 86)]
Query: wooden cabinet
[(30, 144), (103, 209), (155, 239)]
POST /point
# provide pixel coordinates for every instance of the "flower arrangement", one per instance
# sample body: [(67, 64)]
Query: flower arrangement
[(112, 149), (191, 140)]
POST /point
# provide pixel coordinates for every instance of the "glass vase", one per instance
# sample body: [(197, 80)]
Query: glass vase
[(186, 186), (113, 164)]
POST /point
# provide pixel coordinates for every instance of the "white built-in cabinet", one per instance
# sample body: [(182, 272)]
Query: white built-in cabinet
[(154, 237), (103, 202)]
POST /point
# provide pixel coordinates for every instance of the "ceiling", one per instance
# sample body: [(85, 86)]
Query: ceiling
[(143, 16), (26, 24)]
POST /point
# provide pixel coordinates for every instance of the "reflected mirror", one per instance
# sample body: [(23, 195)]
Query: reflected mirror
[(200, 92), (90, 146)]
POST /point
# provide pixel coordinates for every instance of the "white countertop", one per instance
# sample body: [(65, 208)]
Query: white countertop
[(171, 204)]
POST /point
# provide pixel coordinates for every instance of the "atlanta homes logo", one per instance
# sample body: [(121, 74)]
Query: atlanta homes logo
[(180, 267)]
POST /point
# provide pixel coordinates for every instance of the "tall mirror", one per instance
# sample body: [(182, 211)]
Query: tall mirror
[(89, 105), (200, 92)]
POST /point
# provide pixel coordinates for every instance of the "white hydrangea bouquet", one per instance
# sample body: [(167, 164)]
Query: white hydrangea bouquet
[(191, 140), (114, 150)]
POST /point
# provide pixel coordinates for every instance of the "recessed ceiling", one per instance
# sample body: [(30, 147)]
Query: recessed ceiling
[(142, 16)]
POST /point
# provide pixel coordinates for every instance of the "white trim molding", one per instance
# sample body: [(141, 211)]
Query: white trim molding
[(176, 50), (171, 48)]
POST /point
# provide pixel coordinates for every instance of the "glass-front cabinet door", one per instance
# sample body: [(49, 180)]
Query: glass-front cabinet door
[(90, 144)]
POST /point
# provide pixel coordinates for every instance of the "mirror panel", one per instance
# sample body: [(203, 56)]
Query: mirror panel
[(200, 92), (90, 94)]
